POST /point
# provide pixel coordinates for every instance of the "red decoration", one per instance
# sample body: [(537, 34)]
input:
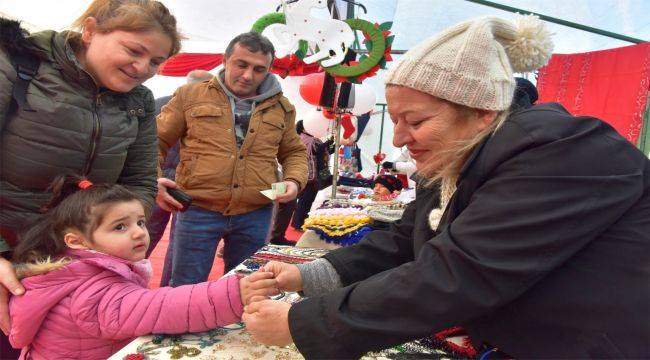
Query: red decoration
[(134, 357), (84, 184), (292, 66), (379, 157), (312, 87), (329, 114), (183, 63), (611, 85), (403, 179), (348, 127)]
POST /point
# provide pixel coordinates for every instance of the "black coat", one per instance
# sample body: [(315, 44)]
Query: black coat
[(542, 252)]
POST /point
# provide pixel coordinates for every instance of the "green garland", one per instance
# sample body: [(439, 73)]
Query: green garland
[(278, 18), (377, 45)]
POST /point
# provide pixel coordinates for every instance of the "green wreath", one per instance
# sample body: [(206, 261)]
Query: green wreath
[(376, 45), (278, 18), (376, 50)]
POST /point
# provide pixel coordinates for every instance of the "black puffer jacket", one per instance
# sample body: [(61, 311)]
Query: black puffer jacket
[(77, 128)]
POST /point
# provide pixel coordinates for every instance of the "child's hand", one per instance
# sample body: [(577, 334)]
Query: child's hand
[(287, 275), (260, 284)]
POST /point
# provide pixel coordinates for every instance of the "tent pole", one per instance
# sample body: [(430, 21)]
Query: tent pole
[(381, 132), (337, 144), (560, 21)]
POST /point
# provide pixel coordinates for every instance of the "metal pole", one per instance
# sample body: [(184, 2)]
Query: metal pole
[(337, 144), (381, 132), (560, 21)]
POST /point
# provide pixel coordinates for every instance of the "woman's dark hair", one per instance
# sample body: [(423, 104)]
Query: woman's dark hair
[(71, 207), (300, 127)]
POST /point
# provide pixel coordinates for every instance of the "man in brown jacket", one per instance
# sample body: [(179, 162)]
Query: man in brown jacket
[(234, 129)]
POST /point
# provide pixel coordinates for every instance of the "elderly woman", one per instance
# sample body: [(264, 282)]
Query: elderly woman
[(542, 247)]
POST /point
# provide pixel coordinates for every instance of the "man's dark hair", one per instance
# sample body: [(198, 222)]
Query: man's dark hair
[(254, 42)]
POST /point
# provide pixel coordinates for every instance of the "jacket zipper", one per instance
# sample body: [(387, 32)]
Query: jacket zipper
[(92, 147)]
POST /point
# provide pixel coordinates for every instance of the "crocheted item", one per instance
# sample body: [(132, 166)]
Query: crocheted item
[(350, 238), (385, 214)]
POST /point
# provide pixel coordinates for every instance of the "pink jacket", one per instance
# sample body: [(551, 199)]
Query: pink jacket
[(96, 304)]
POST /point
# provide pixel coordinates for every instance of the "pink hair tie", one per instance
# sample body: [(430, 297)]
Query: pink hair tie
[(84, 184)]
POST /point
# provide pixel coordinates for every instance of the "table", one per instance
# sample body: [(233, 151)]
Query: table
[(233, 342)]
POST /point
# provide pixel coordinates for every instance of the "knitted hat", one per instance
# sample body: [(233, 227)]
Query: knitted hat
[(472, 63), (391, 182)]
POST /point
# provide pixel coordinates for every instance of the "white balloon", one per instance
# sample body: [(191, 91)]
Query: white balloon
[(316, 124), (365, 99)]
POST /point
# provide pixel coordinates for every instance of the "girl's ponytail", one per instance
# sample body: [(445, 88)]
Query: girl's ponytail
[(38, 242), (61, 188)]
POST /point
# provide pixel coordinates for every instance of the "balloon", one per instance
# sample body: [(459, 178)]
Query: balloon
[(364, 99), (312, 87), (316, 124)]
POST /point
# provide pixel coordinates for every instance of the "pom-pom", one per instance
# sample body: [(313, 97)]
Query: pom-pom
[(434, 218), (531, 47)]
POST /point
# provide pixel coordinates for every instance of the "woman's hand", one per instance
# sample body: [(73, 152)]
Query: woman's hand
[(268, 322), (163, 199), (259, 285), (8, 283), (287, 275)]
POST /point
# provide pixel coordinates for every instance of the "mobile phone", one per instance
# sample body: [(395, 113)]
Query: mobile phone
[(181, 197)]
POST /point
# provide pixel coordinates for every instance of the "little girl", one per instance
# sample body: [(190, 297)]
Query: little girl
[(85, 277)]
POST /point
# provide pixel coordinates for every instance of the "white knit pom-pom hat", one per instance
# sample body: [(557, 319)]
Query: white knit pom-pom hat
[(472, 63)]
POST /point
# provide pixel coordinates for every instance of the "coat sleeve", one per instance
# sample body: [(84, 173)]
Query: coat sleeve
[(535, 211), (139, 172), (378, 251), (292, 153), (7, 78), (171, 126), (125, 310)]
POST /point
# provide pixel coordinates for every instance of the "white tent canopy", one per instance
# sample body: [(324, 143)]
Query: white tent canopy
[(210, 24)]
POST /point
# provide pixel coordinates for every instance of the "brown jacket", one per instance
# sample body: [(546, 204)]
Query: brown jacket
[(217, 175)]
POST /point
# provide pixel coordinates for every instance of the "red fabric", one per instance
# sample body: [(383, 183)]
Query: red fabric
[(611, 85), (183, 63)]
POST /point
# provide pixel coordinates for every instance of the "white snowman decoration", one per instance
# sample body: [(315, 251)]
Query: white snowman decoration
[(333, 37)]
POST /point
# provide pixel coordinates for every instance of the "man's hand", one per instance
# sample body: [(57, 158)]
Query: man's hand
[(163, 199), (8, 283), (268, 322), (290, 193), (259, 283), (287, 275)]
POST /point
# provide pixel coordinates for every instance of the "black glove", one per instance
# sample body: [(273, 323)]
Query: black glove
[(388, 165)]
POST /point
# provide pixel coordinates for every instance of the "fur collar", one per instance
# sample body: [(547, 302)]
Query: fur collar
[(40, 267)]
